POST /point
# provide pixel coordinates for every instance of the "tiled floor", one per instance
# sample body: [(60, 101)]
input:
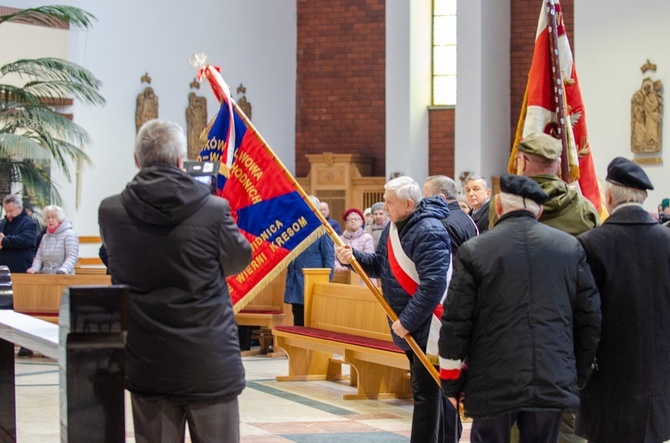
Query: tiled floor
[(270, 411)]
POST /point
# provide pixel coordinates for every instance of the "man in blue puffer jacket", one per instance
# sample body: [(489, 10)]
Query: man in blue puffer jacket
[(414, 276)]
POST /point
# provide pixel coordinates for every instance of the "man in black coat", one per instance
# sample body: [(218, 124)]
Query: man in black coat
[(174, 244), (524, 310), (461, 228), (478, 195), (628, 396), (18, 232), (459, 225)]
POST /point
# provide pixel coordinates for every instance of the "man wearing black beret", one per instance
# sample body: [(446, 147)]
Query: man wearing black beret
[(524, 310), (628, 396)]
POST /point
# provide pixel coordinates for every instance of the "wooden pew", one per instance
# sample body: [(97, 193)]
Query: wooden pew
[(347, 321), (267, 309), (39, 295), (89, 265)]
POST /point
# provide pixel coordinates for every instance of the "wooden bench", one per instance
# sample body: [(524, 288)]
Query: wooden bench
[(346, 321), (89, 262), (267, 310), (39, 295)]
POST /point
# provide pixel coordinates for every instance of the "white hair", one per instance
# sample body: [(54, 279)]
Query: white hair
[(405, 188), (13, 198), (513, 202), (160, 142), (315, 201), (623, 194), (60, 214)]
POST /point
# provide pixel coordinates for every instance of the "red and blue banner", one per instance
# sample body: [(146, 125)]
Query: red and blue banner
[(270, 208)]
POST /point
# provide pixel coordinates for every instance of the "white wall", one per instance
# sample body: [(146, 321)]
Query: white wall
[(408, 86), (611, 44), (482, 110), (254, 42)]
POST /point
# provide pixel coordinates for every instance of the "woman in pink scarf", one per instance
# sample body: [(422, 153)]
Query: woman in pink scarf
[(59, 249)]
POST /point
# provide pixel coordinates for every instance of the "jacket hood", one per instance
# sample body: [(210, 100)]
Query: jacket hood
[(430, 207), (433, 207), (64, 226), (561, 196), (163, 195)]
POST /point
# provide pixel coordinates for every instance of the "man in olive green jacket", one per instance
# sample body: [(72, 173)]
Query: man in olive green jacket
[(538, 157)]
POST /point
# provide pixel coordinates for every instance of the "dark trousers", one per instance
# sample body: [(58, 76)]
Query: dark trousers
[(427, 399), (298, 314), (165, 421), (534, 427), (450, 421)]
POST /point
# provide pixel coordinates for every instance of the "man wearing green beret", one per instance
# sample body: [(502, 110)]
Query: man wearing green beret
[(538, 157)]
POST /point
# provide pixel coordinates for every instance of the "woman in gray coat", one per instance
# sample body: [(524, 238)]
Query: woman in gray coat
[(59, 249)]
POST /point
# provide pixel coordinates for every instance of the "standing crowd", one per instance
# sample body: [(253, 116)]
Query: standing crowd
[(554, 326), (34, 246), (545, 324)]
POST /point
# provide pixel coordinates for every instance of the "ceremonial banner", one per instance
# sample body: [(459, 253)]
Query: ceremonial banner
[(267, 203), (553, 102)]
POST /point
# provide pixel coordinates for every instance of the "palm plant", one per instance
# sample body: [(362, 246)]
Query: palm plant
[(32, 133)]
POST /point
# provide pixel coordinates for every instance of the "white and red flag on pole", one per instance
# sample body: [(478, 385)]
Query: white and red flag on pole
[(553, 103)]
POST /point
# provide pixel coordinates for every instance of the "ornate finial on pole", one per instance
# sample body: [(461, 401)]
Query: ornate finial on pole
[(145, 78), (195, 84), (198, 60)]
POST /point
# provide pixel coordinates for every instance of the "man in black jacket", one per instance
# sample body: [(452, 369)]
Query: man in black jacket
[(478, 195), (17, 236), (628, 396), (174, 244), (524, 310), (459, 225)]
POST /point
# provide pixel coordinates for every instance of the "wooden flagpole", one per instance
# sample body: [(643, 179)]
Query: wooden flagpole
[(338, 242), (559, 89)]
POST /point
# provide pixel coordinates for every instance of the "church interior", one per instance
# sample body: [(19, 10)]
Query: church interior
[(345, 92)]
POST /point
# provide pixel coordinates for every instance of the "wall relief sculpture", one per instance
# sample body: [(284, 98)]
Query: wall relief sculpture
[(646, 114), (196, 121), (147, 104), (242, 102)]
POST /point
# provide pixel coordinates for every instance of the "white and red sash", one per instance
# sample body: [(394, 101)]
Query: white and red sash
[(404, 271)]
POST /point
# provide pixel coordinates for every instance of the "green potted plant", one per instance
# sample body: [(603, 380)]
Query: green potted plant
[(33, 134)]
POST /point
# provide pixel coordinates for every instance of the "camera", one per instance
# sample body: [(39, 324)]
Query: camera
[(203, 172)]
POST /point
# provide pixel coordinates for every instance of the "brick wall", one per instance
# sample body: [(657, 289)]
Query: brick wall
[(441, 141), (340, 90), (524, 16), (341, 86)]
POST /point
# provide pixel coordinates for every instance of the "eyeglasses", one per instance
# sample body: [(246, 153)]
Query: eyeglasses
[(356, 219)]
